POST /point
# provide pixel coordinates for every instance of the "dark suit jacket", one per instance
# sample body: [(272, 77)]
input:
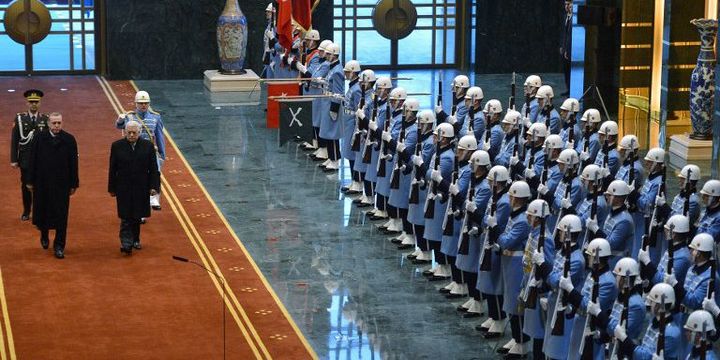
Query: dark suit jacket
[(133, 172)]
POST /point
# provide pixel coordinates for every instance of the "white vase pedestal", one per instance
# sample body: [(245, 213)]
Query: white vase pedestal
[(217, 82), (683, 149)]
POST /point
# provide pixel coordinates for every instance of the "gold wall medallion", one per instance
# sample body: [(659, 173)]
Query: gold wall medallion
[(394, 19), (27, 21)]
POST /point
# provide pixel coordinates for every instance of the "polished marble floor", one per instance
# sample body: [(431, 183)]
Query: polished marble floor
[(347, 287)]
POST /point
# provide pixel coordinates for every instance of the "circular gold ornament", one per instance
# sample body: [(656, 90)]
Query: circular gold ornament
[(27, 21), (394, 19)]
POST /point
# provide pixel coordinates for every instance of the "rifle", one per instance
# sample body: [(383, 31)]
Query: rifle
[(367, 151), (485, 255), (713, 273), (571, 133), (522, 127), (703, 342), (590, 327), (471, 116), (355, 143), (660, 348), (449, 223), (593, 206), (512, 93), (395, 177), (586, 143), (430, 199), (415, 188), (440, 93), (557, 324), (544, 173), (686, 204), (531, 292), (382, 163), (670, 254), (631, 175), (531, 162), (623, 317), (464, 247)]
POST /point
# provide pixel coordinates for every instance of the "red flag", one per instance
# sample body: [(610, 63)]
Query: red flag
[(284, 23), (302, 13)]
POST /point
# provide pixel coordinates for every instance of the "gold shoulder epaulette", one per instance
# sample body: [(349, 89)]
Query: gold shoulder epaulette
[(153, 112)]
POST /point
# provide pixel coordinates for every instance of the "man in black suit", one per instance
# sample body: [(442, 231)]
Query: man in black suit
[(566, 44), (133, 176)]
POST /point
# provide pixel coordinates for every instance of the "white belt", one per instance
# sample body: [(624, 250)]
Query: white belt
[(511, 253)]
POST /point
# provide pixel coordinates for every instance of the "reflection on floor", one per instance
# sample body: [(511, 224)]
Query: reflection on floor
[(350, 291)]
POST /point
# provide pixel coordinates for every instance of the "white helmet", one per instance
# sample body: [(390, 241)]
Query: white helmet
[(554, 141), (618, 188), (270, 8), (324, 45), (570, 223), (426, 117), (571, 105), (629, 142), (445, 130), (591, 115), (537, 129), (700, 321), (499, 173), (467, 142), (333, 48), (480, 158), (512, 117), (367, 76), (609, 128), (411, 104), (383, 82), (569, 157), (520, 189), (661, 293), (656, 155), (538, 208), (592, 172), (694, 171), (599, 247), (352, 66), (545, 92), (678, 223), (474, 93), (493, 107), (461, 81), (142, 97), (398, 93), (312, 35), (627, 267), (702, 242), (534, 81), (711, 188)]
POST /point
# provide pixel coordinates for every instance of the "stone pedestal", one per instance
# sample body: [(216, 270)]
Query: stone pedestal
[(217, 82), (684, 149)]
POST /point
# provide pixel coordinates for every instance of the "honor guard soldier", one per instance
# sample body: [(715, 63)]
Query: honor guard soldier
[(551, 175), (460, 86), (691, 293), (492, 137), (349, 121), (710, 218), (470, 245), (317, 69), (457, 186), (619, 228), (661, 301), (395, 223), (416, 207), (24, 129), (330, 127), (548, 115), (568, 262), (363, 114), (376, 125), (600, 288), (568, 192), (269, 41), (628, 155), (589, 144), (151, 124), (306, 65), (699, 330), (475, 118), (490, 279), (382, 190), (649, 202), (530, 109), (592, 179), (677, 233), (532, 168), (608, 157), (570, 132), (686, 202), (509, 146)]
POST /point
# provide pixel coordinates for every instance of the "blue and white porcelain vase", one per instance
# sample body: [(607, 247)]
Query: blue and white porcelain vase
[(232, 36), (702, 82)]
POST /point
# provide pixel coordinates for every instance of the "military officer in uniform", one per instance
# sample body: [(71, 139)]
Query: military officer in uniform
[(531, 109), (25, 126), (589, 143), (548, 115), (151, 124)]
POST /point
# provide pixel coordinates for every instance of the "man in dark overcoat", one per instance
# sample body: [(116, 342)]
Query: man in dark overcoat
[(133, 176), (52, 176)]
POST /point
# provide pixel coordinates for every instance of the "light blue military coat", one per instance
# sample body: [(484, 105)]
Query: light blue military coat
[(449, 245), (469, 262), (433, 227), (416, 212), (491, 282), (350, 105), (371, 172), (399, 197), (329, 128)]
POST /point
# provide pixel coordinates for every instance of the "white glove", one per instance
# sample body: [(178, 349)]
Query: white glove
[(491, 221), (566, 203), (400, 147), (439, 197), (604, 172), (319, 81), (711, 306), (387, 157), (593, 308), (372, 125), (360, 114), (451, 120), (454, 189), (659, 357), (529, 173), (670, 280), (470, 206), (436, 176), (338, 97), (570, 145), (592, 225), (333, 115), (438, 109), (386, 136), (301, 68), (566, 284), (643, 256), (632, 186), (486, 146), (584, 156), (542, 189), (514, 160), (474, 231), (620, 333), (289, 60), (417, 160), (544, 303), (495, 247), (538, 258), (527, 122), (660, 200)]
